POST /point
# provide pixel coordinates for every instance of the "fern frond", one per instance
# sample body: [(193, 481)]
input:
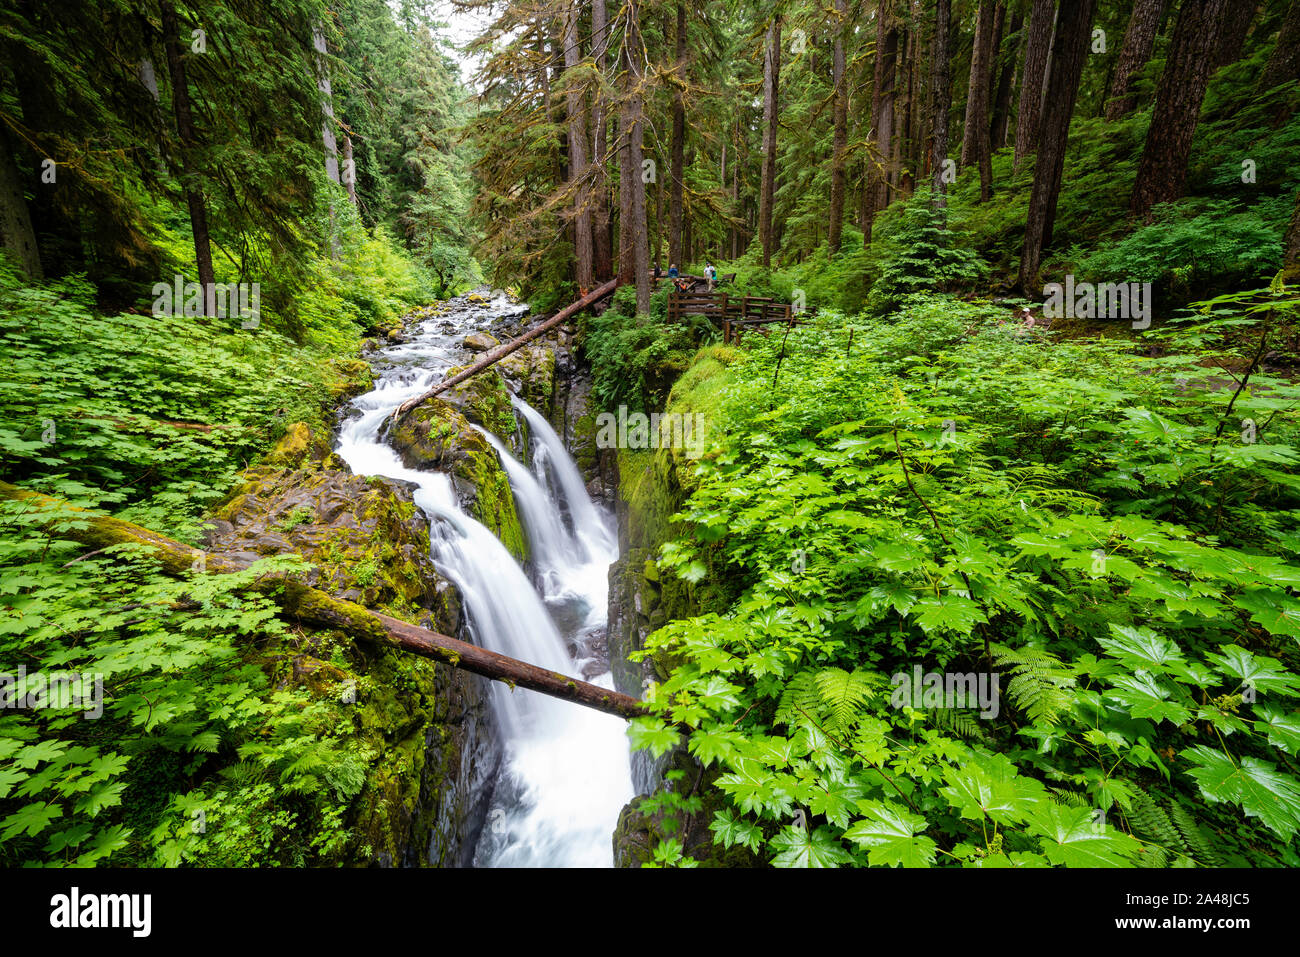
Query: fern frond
[(1041, 684)]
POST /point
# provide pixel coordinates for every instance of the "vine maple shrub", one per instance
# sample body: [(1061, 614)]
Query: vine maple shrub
[(1154, 688)]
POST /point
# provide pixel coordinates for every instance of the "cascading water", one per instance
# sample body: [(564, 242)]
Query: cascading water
[(566, 771)]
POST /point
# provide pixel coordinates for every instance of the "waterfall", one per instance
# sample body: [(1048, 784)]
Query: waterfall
[(566, 772)]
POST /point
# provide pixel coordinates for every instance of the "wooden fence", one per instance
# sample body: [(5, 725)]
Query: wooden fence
[(734, 313)]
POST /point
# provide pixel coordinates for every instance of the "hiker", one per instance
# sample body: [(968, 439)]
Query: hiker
[(711, 274), (672, 271)]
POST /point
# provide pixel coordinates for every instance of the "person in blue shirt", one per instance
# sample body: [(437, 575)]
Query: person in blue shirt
[(672, 271)]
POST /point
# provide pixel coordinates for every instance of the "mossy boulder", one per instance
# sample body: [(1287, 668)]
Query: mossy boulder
[(640, 830), (426, 728), (480, 342), (301, 447), (436, 436), (530, 374), (348, 378), (484, 400)]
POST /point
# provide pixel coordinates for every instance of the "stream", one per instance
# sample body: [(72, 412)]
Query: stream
[(565, 773)]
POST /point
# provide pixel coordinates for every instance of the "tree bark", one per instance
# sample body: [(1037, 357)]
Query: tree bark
[(1070, 52), (1139, 41), (840, 121), (349, 165), (1162, 173), (679, 145), (1291, 246), (1233, 36), (601, 227), (771, 95), (189, 143), (503, 350), (941, 95), (1284, 62), (315, 607), (975, 136), (1033, 83), (1002, 99), (882, 113), (17, 236), (584, 266), (328, 138), (638, 237)]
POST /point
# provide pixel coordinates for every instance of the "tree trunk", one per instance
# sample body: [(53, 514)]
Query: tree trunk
[(771, 94), (189, 143), (1139, 41), (350, 166), (17, 237), (1284, 62), (735, 207), (840, 121), (941, 94), (328, 138), (1070, 52), (975, 137), (315, 607), (638, 241), (601, 228), (1233, 36), (678, 146), (1002, 99), (1291, 247), (1162, 172), (584, 266), (1033, 83), (882, 112)]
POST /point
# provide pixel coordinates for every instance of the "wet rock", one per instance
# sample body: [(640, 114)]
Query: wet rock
[(530, 374), (639, 831), (436, 436), (427, 727), (480, 342)]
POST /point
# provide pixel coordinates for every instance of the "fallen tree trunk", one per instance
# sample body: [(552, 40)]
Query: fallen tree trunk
[(315, 607), (503, 350)]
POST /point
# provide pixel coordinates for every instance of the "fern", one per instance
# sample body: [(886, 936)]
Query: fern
[(1040, 685)]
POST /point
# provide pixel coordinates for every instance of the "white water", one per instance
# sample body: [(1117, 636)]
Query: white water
[(566, 772)]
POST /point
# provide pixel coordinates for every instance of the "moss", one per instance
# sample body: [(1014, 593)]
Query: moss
[(348, 377), (484, 400), (437, 435)]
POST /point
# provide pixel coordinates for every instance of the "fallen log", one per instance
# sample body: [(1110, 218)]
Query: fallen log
[(503, 350), (313, 606)]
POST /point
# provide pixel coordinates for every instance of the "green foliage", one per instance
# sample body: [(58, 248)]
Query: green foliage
[(1207, 247), (194, 758), (1092, 526)]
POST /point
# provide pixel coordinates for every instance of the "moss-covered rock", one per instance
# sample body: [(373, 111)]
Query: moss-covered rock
[(640, 829), (426, 727), (530, 373), (300, 447), (349, 377), (436, 435), (480, 342)]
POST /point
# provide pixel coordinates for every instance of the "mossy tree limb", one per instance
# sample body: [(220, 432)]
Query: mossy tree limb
[(315, 607)]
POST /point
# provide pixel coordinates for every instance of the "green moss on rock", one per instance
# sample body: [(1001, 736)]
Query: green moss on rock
[(436, 435)]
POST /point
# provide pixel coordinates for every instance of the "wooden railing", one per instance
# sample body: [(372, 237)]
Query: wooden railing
[(734, 313)]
